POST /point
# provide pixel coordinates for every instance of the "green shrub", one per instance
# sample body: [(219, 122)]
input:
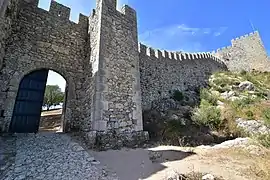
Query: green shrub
[(266, 117), (178, 95), (206, 95), (250, 115), (207, 115), (172, 132), (173, 127), (242, 103), (243, 72)]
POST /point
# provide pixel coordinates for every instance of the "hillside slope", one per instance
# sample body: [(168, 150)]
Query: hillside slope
[(233, 105)]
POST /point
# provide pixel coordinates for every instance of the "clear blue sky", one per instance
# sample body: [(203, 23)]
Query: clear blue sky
[(189, 25)]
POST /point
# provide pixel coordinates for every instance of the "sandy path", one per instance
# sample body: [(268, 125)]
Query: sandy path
[(158, 163)]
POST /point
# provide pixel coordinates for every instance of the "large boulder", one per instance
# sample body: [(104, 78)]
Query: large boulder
[(253, 126), (208, 177), (246, 85), (227, 95)]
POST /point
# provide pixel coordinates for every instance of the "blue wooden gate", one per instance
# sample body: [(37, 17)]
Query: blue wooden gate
[(28, 105)]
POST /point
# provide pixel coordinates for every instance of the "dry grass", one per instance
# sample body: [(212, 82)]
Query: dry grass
[(257, 110), (255, 161), (229, 125), (192, 176)]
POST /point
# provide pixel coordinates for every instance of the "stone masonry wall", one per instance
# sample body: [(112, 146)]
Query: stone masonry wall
[(41, 39), (116, 106), (246, 53), (8, 14), (3, 6), (163, 72)]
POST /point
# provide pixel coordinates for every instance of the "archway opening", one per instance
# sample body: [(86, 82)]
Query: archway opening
[(52, 115), (40, 103)]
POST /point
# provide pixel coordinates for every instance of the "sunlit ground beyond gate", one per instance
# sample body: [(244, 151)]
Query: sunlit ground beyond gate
[(51, 121)]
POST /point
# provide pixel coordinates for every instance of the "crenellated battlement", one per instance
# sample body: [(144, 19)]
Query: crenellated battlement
[(62, 12), (235, 40), (111, 6), (221, 49), (59, 11), (246, 52), (252, 34), (128, 12), (163, 54)]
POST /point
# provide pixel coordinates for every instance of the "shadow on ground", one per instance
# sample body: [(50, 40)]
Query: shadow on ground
[(134, 164)]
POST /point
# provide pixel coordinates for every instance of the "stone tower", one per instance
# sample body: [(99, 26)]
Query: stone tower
[(114, 56), (245, 53)]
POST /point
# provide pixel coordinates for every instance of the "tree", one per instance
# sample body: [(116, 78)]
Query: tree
[(53, 96)]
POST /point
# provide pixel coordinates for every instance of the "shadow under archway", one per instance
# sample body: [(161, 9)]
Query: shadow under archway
[(28, 105)]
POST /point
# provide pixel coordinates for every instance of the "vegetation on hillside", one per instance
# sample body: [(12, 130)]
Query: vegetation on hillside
[(228, 97), (250, 104)]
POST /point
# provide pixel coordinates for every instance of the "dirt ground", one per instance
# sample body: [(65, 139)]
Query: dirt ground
[(52, 112), (50, 121), (234, 163)]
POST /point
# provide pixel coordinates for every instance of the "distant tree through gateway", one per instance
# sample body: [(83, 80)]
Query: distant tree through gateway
[(53, 96)]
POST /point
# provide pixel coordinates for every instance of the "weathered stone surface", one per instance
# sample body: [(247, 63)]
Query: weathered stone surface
[(208, 177), (245, 53), (253, 126), (228, 95), (246, 85), (162, 75), (7, 154), (238, 142), (107, 141), (53, 156)]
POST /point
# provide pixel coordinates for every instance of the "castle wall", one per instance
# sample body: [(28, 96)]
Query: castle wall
[(163, 72), (109, 80), (116, 106), (8, 15), (3, 6), (245, 53), (42, 39)]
